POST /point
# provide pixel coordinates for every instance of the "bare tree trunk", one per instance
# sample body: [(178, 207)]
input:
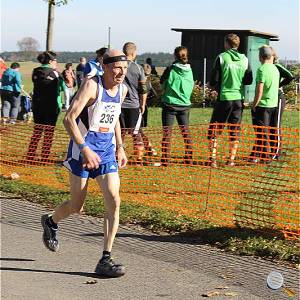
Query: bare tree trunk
[(51, 7)]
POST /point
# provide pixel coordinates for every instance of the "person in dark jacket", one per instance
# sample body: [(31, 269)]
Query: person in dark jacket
[(80, 71), (151, 93), (275, 133), (46, 103), (10, 93), (177, 82), (153, 69)]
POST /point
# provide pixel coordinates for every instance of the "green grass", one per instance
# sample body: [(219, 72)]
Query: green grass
[(202, 116), (234, 240)]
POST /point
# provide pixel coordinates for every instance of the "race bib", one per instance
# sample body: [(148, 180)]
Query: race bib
[(106, 118)]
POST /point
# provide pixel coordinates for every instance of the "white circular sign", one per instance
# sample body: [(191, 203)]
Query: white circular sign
[(275, 280)]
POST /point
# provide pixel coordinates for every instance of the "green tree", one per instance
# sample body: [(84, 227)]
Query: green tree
[(51, 10)]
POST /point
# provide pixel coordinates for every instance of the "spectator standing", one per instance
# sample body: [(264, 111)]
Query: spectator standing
[(80, 71), (230, 73), (46, 103), (70, 81), (177, 82), (265, 104), (153, 69), (135, 101), (10, 93), (94, 66), (285, 77), (3, 67), (151, 93)]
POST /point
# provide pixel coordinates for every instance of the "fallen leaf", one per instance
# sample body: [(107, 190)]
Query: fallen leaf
[(230, 294), (14, 175), (222, 287), (227, 276), (211, 294), (91, 282), (289, 292)]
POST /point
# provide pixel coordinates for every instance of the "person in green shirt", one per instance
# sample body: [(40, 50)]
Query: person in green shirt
[(230, 73), (265, 104), (177, 82), (275, 133)]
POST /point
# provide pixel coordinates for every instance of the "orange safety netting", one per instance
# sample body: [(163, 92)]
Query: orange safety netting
[(188, 171)]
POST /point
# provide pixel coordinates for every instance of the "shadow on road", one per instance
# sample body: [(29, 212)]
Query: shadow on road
[(210, 236), (83, 274), (15, 259)]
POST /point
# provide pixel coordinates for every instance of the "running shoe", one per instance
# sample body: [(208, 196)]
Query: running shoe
[(49, 234), (108, 268)]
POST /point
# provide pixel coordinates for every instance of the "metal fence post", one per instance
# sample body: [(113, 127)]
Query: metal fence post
[(204, 81)]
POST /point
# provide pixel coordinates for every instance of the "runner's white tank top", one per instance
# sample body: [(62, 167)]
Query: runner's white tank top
[(97, 125)]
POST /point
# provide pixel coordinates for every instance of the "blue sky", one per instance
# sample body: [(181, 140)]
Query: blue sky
[(83, 24)]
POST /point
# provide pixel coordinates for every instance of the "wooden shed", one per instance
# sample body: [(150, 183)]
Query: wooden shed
[(208, 43)]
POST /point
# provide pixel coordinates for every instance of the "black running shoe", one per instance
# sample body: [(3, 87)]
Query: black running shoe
[(49, 234), (108, 268)]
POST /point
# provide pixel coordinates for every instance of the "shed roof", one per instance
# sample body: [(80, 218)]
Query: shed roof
[(271, 36)]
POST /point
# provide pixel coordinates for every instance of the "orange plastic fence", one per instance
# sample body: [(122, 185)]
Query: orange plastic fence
[(257, 191)]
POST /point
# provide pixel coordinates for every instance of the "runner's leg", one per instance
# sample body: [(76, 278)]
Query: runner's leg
[(110, 185), (78, 190)]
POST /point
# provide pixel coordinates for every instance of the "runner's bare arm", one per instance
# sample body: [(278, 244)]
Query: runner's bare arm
[(122, 159), (258, 94)]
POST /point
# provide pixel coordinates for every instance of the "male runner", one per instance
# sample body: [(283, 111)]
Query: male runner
[(93, 124)]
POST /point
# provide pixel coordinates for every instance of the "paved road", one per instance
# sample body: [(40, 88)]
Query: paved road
[(158, 267)]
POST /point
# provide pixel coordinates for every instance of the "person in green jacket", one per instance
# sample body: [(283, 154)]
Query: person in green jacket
[(231, 72), (177, 82), (275, 133), (264, 105)]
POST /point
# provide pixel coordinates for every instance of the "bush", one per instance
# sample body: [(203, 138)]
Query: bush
[(290, 92), (197, 97)]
